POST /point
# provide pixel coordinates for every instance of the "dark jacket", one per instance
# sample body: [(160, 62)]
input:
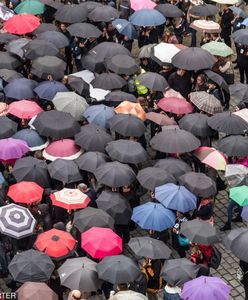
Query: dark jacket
[(181, 84)]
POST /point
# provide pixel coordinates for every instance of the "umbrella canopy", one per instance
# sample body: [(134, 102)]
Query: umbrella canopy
[(93, 241), (99, 115), (239, 37), (197, 124), (55, 243), (149, 247), (200, 232), (25, 192), (71, 14), (37, 48), (169, 10), (199, 184), (7, 127), (92, 217), (211, 157), (218, 79), (109, 81), (243, 114), (122, 64), (24, 109), (12, 149), (79, 274), (5, 12), (135, 109), (152, 177), (22, 24), (93, 138), (153, 81), (175, 105), (58, 39), (114, 174), (118, 269), (239, 195), (206, 102), (193, 59), (176, 197), (21, 88), (37, 290), (116, 206), (45, 27), (6, 37), (163, 53), (70, 199), (153, 216), (16, 221), (244, 213), (32, 138), (235, 174), (238, 11), (160, 119), (234, 145), (173, 166), (147, 17), (8, 61), (16, 47), (178, 271), (140, 4), (31, 265), (65, 171), (205, 288), (79, 85), (218, 49), (33, 7), (205, 26), (204, 10), (8, 75), (84, 30), (50, 124), (90, 161), (103, 14), (124, 27), (47, 90)]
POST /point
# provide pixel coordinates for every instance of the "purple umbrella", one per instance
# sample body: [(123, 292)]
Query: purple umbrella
[(206, 288), (12, 149), (244, 214)]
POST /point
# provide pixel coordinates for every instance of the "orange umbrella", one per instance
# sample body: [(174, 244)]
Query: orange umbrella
[(131, 108)]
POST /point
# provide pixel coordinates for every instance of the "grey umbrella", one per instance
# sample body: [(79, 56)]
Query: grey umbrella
[(122, 64), (239, 93), (240, 37), (153, 81), (8, 75), (217, 79), (178, 271), (173, 166), (93, 63), (149, 247), (228, 123), (118, 96), (193, 59), (200, 232), (114, 174), (79, 85), (169, 10), (127, 125), (37, 48), (8, 61), (52, 3), (175, 141), (7, 37), (152, 177), (58, 39), (21, 88), (31, 265), (116, 206), (16, 46), (103, 14), (118, 269), (71, 14), (84, 30), (92, 217), (45, 27), (199, 184), (234, 145), (79, 274), (232, 235), (93, 138), (108, 81), (90, 161), (65, 171), (90, 5), (126, 151), (7, 127), (204, 10)]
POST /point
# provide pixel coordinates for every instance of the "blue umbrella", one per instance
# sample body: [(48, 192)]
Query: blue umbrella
[(238, 11), (147, 17), (20, 88), (47, 90), (153, 216), (2, 180), (99, 115), (125, 28), (245, 22), (32, 138), (175, 197), (244, 213)]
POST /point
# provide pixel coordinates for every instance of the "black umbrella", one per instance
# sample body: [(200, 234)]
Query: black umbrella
[(118, 96), (21, 88), (118, 269), (240, 36), (169, 10), (153, 81), (103, 14), (228, 123), (149, 247), (65, 171), (8, 75), (152, 177), (7, 127), (7, 37), (126, 151), (79, 85), (52, 3), (108, 81), (31, 169), (175, 141), (92, 217), (15, 47), (58, 39), (93, 138), (114, 174), (93, 63), (204, 10), (173, 166), (31, 265), (234, 145), (45, 27), (122, 64), (8, 61), (71, 14), (56, 124), (197, 124), (37, 48), (232, 235), (116, 206), (90, 161), (127, 125), (239, 92), (84, 30), (90, 5), (193, 59), (199, 184), (217, 79)]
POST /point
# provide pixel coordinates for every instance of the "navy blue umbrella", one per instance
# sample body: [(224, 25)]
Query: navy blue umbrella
[(34, 140), (125, 28), (147, 17), (47, 90), (20, 88)]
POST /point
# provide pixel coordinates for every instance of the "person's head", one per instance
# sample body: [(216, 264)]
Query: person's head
[(195, 249), (181, 72), (211, 85), (63, 27), (82, 187), (179, 214), (126, 188), (201, 79), (122, 287), (76, 294)]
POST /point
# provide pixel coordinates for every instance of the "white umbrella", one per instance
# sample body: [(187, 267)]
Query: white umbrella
[(86, 75), (229, 2), (236, 175), (243, 113), (98, 94), (205, 26), (163, 52)]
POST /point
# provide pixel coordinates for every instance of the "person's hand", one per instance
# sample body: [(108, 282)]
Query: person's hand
[(81, 45), (68, 226), (236, 108)]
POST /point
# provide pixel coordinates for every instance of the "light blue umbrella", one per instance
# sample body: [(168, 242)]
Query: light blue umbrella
[(47, 90), (245, 22), (153, 216), (147, 17), (125, 28), (32, 138), (175, 197), (237, 11), (99, 115), (2, 180)]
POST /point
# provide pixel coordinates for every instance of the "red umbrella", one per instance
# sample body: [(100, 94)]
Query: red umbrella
[(101, 242), (24, 109), (175, 105), (22, 24), (56, 243), (25, 192)]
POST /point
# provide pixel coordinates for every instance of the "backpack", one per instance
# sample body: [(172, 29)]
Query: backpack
[(215, 260)]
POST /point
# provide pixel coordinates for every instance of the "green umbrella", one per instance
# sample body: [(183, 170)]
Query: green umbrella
[(34, 7), (218, 49), (240, 195)]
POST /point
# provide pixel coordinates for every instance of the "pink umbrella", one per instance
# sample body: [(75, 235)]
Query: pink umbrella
[(12, 149), (101, 242), (24, 109), (172, 93), (65, 149), (140, 4), (175, 105), (211, 157)]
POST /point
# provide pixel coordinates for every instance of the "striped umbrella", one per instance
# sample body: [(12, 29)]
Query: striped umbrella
[(16, 221), (205, 26)]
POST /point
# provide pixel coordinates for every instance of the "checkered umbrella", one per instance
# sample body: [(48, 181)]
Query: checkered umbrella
[(16, 221), (206, 102)]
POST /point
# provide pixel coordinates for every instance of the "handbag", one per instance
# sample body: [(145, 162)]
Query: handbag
[(183, 241)]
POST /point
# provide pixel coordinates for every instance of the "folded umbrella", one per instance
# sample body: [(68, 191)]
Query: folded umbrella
[(239, 195), (175, 105), (103, 14), (33, 7), (99, 115), (109, 81), (21, 88), (58, 39), (47, 90), (204, 10), (24, 109), (169, 10), (234, 145), (153, 81), (90, 161), (196, 123), (122, 64), (147, 17), (22, 24), (84, 30), (218, 49), (217, 78), (37, 48), (8, 61), (173, 166), (160, 119), (12, 149), (205, 26), (206, 102), (8, 75), (7, 127), (15, 47), (37, 290), (124, 27), (71, 14)]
